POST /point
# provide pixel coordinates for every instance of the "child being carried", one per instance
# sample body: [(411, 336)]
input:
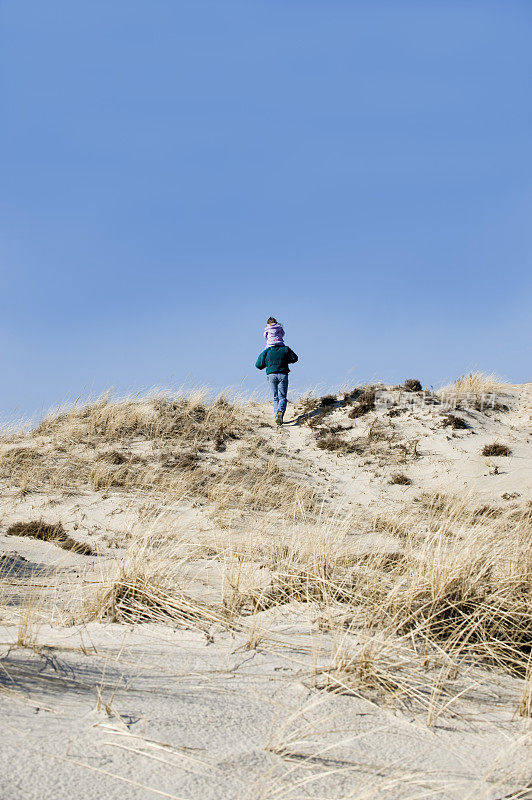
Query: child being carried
[(273, 332)]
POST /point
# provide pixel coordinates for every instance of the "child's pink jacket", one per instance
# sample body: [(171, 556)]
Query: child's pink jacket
[(274, 334)]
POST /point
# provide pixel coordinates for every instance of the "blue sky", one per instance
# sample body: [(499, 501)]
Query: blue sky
[(173, 172)]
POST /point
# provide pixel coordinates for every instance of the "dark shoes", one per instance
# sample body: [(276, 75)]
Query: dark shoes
[(279, 418)]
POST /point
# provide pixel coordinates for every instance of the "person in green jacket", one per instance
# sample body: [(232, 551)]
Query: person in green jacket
[(275, 360)]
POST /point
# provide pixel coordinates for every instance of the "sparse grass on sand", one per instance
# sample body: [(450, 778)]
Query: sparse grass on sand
[(459, 580), (175, 447), (423, 602), (474, 385)]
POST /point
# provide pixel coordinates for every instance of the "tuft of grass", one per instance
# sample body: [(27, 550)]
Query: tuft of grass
[(118, 457), (467, 603), (496, 449), (454, 422), (413, 385), (396, 412), (335, 444), (38, 468), (254, 481), (387, 668), (113, 457), (475, 386), (350, 395), (365, 402), (314, 420), (401, 479), (184, 460), (137, 598), (490, 405), (147, 586), (56, 534), (463, 583)]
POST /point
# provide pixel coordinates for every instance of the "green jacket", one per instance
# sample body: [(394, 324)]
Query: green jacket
[(276, 359)]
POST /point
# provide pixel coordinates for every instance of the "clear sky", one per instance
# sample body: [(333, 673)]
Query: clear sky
[(174, 172)]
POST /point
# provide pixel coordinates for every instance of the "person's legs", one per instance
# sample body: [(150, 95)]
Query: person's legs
[(282, 390), (273, 380)]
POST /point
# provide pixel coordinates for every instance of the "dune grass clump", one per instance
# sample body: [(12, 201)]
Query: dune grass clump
[(387, 669), (118, 457), (296, 583), (19, 461), (467, 610), (55, 534), (314, 420), (364, 404), (315, 410), (330, 441), (475, 387), (162, 417), (250, 484), (24, 467), (396, 411), (116, 469), (454, 422), (350, 395), (489, 404), (186, 459), (496, 449), (159, 445), (149, 585), (136, 598), (401, 479), (451, 510), (465, 583), (38, 468)]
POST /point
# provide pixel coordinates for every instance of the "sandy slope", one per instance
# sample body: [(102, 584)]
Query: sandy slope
[(100, 709)]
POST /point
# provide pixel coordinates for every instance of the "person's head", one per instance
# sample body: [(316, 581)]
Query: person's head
[(272, 321)]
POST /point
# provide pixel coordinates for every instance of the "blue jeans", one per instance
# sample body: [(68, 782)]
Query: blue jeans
[(279, 383)]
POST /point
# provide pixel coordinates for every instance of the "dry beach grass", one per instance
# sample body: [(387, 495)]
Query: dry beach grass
[(302, 567)]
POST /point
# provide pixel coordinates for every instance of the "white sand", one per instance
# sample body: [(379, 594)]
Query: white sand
[(101, 709)]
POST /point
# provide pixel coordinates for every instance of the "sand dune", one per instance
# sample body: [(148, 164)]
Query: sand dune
[(196, 604)]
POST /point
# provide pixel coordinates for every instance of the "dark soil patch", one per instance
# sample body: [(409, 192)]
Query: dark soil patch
[(56, 534)]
